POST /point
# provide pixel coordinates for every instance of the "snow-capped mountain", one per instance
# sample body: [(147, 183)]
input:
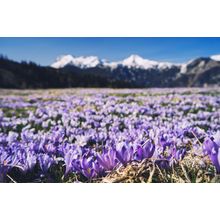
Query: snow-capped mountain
[(215, 57), (200, 71), (136, 61), (81, 62), (133, 61)]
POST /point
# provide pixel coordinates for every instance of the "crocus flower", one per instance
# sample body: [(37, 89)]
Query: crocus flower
[(212, 148), (87, 168), (164, 142), (7, 162), (12, 136), (45, 161), (69, 156), (179, 153), (50, 148), (98, 168), (215, 158), (28, 161), (145, 151), (210, 143), (163, 163), (107, 159), (125, 154), (4, 160)]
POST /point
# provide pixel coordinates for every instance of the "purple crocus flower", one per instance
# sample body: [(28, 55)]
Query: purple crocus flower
[(12, 136), (215, 158), (7, 162), (211, 147), (210, 143), (87, 168), (98, 168), (107, 159), (164, 141), (3, 172), (4, 159), (68, 159), (125, 154), (145, 151), (50, 148), (45, 162), (179, 154), (76, 165), (30, 161), (163, 163)]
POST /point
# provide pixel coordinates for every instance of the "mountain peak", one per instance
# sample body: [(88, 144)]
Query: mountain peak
[(134, 57), (138, 62), (81, 61), (215, 57)]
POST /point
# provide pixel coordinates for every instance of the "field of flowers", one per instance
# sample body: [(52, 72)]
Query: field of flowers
[(106, 135)]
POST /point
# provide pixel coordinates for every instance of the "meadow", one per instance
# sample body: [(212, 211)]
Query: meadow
[(110, 135)]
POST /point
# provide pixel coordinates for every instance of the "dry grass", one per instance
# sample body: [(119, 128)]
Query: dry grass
[(189, 170)]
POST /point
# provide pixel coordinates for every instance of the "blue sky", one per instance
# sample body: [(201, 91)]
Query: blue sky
[(44, 50)]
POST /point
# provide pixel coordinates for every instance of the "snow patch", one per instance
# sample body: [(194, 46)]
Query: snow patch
[(215, 57), (183, 68)]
